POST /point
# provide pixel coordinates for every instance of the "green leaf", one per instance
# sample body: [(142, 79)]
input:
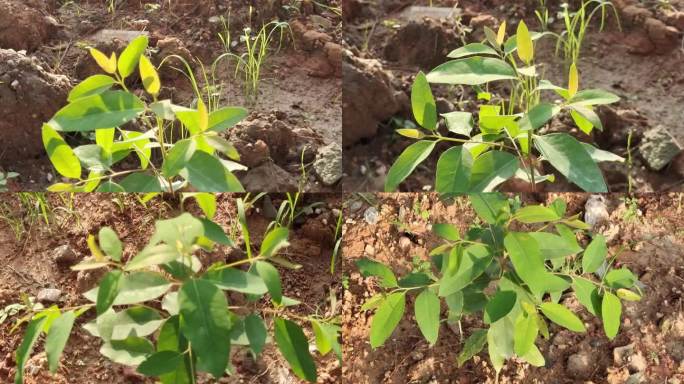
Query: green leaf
[(33, 330), (490, 207), (60, 153), (620, 278), (427, 310), (178, 157), (207, 174), (626, 294), (206, 324), (472, 50), (153, 255), (600, 156), (160, 363), (326, 338), (526, 330), (453, 171), (368, 268), (528, 262), (460, 123), (491, 169), (274, 241), (256, 333), (140, 182), (57, 337), (271, 278), (587, 294), (105, 110), (93, 85), (131, 351), (134, 321), (595, 254), (446, 231), (413, 155), (136, 287), (499, 306), (130, 56), (535, 214), (538, 116), (471, 71), (108, 290), (553, 246), (473, 345), (571, 159), (563, 317), (524, 41), (110, 243), (475, 259), (224, 118), (294, 346), (611, 311), (215, 233), (236, 280), (423, 103), (138, 142), (387, 318), (593, 97)]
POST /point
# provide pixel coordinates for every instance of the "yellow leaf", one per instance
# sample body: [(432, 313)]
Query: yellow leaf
[(525, 47), (203, 115), (95, 250), (501, 35), (410, 133), (573, 80), (149, 76), (107, 64)]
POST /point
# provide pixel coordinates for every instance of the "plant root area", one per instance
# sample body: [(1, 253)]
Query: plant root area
[(294, 120), (395, 229), (390, 41), (27, 253)]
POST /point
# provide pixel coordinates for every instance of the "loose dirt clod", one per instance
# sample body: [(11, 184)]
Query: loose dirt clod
[(659, 148), (29, 95), (23, 26), (328, 164)]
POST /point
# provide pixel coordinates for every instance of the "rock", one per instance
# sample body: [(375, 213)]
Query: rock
[(64, 256), (328, 164), (581, 365), (638, 363), (676, 19), (622, 354), (34, 99), (368, 98), (369, 250), (663, 36), (596, 211), (269, 177), (658, 148), (106, 36), (484, 20), (271, 130), (635, 15), (23, 26), (423, 43), (417, 13), (48, 296), (444, 105), (334, 52), (371, 215), (404, 243)]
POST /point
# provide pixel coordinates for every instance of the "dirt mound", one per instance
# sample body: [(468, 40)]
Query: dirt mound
[(368, 98), (29, 96), (23, 25), (422, 43)]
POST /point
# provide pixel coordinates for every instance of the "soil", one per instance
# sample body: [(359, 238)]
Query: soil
[(27, 257), (44, 53), (641, 62), (647, 229)]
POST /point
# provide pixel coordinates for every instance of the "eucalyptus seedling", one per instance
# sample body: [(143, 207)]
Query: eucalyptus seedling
[(166, 314), (505, 139), (187, 141), (515, 280)]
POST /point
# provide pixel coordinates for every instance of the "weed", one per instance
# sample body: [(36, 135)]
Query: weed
[(184, 308), (4, 177), (515, 280), (510, 142), (191, 160)]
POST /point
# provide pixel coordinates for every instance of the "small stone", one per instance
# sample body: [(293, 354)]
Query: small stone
[(596, 211), (369, 250), (659, 148), (48, 296), (65, 256), (581, 365), (621, 354), (371, 215), (355, 205), (404, 243), (15, 84), (328, 164), (638, 363)]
